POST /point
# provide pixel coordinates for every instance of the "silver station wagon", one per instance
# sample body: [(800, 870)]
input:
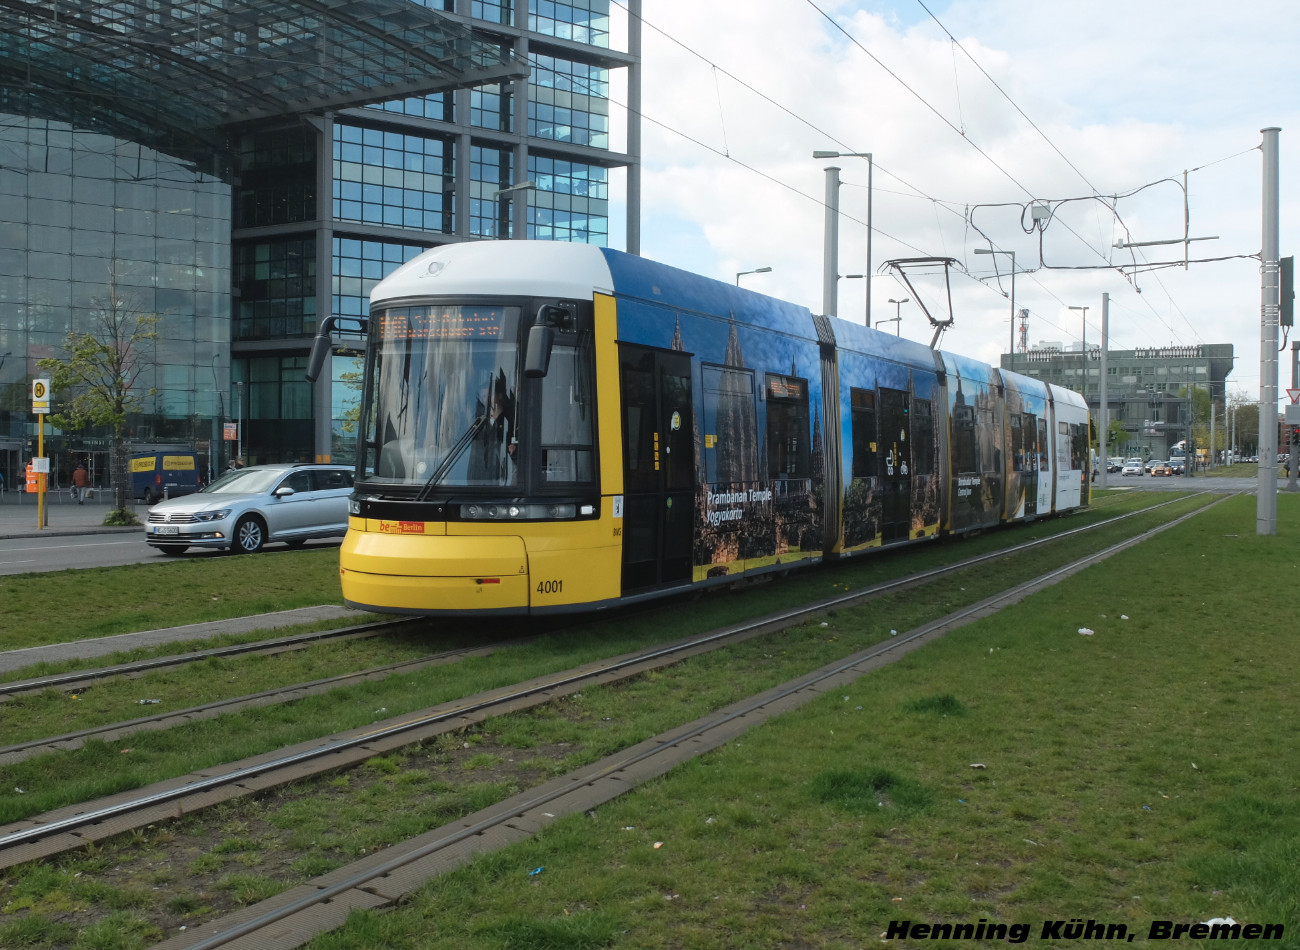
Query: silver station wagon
[(248, 507)]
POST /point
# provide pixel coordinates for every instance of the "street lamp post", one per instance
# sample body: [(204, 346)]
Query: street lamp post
[(1084, 337), (897, 318), (756, 270), (1083, 386), (239, 450), (502, 220), (832, 227), (215, 466), (1011, 345)]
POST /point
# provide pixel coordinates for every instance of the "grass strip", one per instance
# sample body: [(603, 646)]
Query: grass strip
[(102, 768), (1141, 773)]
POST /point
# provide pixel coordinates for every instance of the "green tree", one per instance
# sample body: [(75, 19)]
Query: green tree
[(98, 382), (1243, 424)]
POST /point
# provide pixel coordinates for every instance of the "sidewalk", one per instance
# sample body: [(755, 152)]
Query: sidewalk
[(63, 516), (11, 660)]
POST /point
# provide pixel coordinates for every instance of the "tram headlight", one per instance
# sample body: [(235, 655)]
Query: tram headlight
[(510, 512)]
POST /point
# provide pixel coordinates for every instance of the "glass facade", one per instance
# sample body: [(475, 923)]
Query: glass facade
[(490, 170), (393, 178), (359, 265), (275, 282), (568, 101), (583, 21), (571, 202), (280, 166), (321, 208), (81, 215), (494, 11), (439, 106), (273, 400), (491, 107)]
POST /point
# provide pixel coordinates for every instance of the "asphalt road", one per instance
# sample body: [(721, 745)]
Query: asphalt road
[(20, 555), (28, 555)]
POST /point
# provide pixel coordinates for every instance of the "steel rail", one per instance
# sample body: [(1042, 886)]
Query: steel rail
[(674, 739), (482, 705), (292, 642)]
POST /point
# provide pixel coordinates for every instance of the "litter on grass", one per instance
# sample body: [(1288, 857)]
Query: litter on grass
[(1086, 632)]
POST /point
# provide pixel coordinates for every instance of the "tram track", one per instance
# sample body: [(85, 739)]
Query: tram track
[(82, 679), (119, 730), (383, 879), (76, 825), (112, 731)]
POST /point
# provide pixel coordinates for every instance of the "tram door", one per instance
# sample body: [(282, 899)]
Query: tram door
[(658, 467), (896, 485), (1028, 432)]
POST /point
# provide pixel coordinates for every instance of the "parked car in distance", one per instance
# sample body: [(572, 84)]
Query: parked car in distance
[(247, 508), (157, 475), (1161, 468), (1133, 467)]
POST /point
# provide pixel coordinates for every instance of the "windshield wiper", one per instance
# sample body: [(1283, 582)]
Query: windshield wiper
[(451, 458)]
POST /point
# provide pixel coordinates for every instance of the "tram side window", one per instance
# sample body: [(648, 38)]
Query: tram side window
[(923, 445), (568, 409), (1017, 443), (638, 423), (730, 440), (990, 439), (965, 448), (1078, 448), (787, 427), (862, 405)]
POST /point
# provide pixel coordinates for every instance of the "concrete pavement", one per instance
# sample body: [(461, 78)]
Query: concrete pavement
[(11, 660), (63, 516)]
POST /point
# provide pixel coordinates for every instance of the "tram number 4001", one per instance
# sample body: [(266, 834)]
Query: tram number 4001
[(549, 587)]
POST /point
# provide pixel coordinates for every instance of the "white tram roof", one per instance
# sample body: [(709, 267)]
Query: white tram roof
[(506, 268)]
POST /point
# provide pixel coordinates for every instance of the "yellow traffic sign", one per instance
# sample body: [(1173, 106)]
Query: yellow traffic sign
[(41, 396)]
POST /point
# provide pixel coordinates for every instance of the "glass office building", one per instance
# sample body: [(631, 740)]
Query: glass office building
[(1148, 391), (285, 192)]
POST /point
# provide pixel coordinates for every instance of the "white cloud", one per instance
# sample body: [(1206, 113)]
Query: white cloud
[(1129, 93)]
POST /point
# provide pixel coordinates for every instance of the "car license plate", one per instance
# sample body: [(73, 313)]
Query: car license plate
[(166, 529)]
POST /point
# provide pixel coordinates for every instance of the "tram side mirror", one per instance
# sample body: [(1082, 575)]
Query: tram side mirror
[(541, 337), (537, 356), (320, 349)]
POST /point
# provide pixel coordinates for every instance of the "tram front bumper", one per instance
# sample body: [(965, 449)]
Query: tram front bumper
[(434, 573)]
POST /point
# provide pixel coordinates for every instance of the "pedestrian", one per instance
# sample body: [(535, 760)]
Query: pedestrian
[(80, 482)]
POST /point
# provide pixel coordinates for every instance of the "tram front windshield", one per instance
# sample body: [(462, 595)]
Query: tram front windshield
[(443, 397)]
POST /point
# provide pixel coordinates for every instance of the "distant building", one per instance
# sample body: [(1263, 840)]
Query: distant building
[(1146, 389), (245, 168)]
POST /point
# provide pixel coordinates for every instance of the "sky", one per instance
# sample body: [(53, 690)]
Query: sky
[(974, 112)]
